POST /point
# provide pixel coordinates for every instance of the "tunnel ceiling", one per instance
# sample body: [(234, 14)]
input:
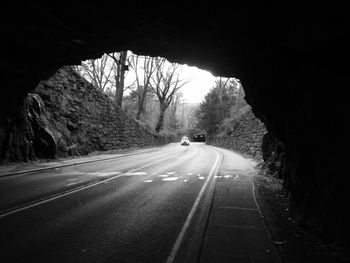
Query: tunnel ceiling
[(39, 37)]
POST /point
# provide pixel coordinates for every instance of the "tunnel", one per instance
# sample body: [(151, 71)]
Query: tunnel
[(199, 137), (289, 57)]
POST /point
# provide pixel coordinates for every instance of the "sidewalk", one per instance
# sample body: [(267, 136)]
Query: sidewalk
[(22, 168), (229, 226), (236, 231)]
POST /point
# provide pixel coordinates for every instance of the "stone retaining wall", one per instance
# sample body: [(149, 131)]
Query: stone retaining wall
[(246, 136), (88, 119), (65, 115)]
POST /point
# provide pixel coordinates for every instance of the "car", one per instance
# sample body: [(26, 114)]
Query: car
[(185, 141)]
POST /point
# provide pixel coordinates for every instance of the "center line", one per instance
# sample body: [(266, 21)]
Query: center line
[(179, 239)]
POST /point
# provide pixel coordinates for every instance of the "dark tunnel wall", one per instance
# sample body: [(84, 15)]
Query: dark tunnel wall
[(289, 56)]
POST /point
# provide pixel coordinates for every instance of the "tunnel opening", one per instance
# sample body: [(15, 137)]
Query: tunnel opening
[(289, 68), (146, 98), (199, 137)]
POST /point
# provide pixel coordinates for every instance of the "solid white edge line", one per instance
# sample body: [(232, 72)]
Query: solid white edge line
[(180, 237), (72, 191)]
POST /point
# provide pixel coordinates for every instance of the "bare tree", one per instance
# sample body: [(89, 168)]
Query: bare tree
[(100, 72), (221, 83), (165, 84), (107, 74), (119, 76), (173, 111), (188, 116), (191, 122), (143, 81)]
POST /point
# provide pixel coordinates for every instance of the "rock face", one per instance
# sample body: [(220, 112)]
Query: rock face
[(66, 115), (26, 134), (275, 157), (291, 58), (246, 136)]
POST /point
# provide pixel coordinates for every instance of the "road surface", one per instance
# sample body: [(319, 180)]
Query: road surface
[(138, 208)]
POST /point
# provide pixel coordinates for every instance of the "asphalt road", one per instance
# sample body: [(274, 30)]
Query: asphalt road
[(132, 209)]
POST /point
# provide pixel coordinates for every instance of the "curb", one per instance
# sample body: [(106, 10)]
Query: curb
[(190, 251)]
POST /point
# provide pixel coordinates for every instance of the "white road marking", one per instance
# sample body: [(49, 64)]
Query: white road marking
[(179, 239), (170, 179), (162, 175), (103, 174), (44, 200), (131, 173)]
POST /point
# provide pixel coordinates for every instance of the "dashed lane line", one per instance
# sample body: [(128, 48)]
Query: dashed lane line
[(47, 199)]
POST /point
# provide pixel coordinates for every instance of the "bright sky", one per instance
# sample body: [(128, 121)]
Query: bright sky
[(199, 84)]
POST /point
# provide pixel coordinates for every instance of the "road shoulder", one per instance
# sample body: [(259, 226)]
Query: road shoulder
[(293, 243), (235, 230)]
